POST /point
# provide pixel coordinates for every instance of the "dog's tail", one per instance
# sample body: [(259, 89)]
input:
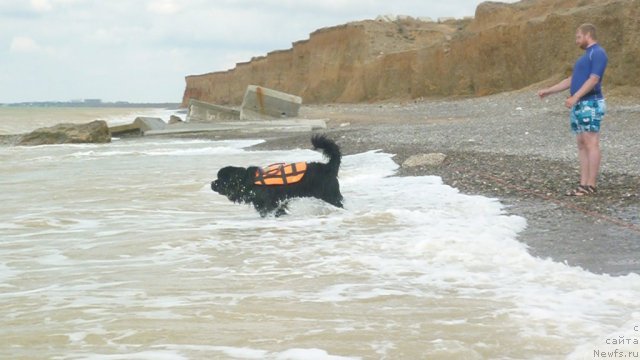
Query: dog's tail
[(330, 149)]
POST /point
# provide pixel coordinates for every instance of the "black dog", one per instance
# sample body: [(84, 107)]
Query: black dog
[(270, 188)]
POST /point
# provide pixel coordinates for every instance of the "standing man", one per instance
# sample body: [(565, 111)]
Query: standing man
[(587, 106)]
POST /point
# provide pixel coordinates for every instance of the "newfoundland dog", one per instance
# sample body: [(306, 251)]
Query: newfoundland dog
[(270, 188)]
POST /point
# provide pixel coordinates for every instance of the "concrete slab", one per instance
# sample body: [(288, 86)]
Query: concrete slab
[(139, 127), (288, 125), (263, 103), (149, 123), (125, 130), (200, 111)]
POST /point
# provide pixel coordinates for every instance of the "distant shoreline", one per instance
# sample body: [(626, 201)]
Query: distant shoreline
[(118, 104)]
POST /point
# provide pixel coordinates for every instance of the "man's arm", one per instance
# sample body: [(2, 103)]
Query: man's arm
[(584, 89), (561, 86)]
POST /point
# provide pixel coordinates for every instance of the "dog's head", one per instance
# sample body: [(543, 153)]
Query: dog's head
[(235, 183)]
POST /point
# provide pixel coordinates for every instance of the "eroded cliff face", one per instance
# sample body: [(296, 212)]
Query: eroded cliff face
[(505, 47)]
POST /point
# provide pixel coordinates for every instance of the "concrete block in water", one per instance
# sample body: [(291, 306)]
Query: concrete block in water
[(247, 127), (139, 126), (200, 111), (174, 119), (263, 103)]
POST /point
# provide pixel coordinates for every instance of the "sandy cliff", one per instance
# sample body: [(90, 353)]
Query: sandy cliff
[(504, 47)]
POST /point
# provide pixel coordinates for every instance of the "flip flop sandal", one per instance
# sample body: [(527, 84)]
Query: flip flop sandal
[(581, 190)]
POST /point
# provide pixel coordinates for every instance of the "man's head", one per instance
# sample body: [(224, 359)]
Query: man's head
[(586, 35)]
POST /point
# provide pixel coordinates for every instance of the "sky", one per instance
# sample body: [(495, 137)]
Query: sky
[(141, 50)]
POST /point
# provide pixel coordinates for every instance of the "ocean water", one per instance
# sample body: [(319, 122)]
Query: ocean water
[(18, 120), (122, 251)]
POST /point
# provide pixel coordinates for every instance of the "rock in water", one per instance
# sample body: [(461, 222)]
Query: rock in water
[(94, 132)]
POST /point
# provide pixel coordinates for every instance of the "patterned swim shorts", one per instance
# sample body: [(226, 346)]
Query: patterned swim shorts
[(586, 115)]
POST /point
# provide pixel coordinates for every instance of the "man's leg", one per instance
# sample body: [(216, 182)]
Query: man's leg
[(583, 157), (589, 155), (593, 149)]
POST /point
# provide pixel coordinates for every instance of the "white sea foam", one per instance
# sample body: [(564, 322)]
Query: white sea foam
[(129, 237), (309, 354), (174, 353)]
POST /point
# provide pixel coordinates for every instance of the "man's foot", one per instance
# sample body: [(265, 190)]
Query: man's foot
[(582, 190)]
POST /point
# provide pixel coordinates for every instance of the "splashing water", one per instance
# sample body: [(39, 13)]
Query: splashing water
[(122, 251)]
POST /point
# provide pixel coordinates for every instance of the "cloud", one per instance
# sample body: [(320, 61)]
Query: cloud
[(163, 7), (24, 44), (48, 5), (41, 5)]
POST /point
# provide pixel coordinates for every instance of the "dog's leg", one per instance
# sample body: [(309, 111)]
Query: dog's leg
[(263, 211), (332, 194), (335, 201), (282, 209), (265, 206), (260, 208)]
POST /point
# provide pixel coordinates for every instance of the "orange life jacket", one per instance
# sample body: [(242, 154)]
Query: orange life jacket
[(281, 174)]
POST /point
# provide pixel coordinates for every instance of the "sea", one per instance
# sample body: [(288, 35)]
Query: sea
[(122, 251)]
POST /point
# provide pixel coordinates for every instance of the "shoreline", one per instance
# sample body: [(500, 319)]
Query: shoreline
[(599, 233), (510, 146), (525, 157)]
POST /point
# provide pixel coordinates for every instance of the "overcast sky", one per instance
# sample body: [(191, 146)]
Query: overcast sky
[(141, 50)]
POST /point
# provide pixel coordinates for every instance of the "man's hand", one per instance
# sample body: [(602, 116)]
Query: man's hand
[(542, 93), (570, 102), (561, 86)]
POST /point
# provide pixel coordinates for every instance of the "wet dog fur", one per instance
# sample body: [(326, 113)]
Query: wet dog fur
[(320, 181)]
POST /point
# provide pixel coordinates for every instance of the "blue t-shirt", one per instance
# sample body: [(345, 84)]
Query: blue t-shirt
[(594, 61)]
